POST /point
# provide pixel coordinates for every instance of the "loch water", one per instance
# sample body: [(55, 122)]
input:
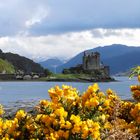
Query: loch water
[(11, 92)]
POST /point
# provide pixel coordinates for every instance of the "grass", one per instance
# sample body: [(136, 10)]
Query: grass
[(6, 67), (66, 76)]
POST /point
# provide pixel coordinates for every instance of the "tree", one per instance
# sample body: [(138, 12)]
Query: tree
[(66, 71), (47, 72)]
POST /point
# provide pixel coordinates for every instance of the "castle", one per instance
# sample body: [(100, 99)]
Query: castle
[(92, 62), (91, 65)]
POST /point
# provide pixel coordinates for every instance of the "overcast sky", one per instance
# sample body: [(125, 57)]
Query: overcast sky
[(41, 29)]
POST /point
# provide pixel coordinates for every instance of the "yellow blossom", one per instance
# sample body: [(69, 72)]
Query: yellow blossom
[(107, 102), (94, 102), (20, 114), (75, 119), (1, 109)]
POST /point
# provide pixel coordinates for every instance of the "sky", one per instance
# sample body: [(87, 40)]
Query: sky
[(43, 29)]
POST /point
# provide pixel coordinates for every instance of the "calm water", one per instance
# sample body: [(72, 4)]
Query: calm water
[(26, 91)]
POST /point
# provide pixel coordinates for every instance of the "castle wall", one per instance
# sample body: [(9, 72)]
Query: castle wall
[(107, 71)]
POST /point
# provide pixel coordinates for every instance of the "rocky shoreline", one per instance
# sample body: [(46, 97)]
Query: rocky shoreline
[(11, 108), (29, 106), (80, 80)]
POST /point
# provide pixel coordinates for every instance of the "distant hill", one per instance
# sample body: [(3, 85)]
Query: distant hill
[(21, 63), (6, 67), (124, 62), (51, 64), (119, 57)]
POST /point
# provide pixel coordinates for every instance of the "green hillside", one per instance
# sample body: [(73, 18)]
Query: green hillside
[(21, 63), (6, 67)]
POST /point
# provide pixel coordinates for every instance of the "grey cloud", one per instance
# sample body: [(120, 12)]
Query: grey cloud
[(96, 33), (67, 16), (101, 33), (112, 32)]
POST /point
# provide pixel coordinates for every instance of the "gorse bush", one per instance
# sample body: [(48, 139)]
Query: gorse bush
[(93, 115), (136, 88)]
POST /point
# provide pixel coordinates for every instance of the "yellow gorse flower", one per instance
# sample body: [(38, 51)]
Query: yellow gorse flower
[(135, 113), (20, 114), (1, 110), (70, 115)]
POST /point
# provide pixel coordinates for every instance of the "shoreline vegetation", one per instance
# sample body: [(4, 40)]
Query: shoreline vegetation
[(76, 78), (59, 78)]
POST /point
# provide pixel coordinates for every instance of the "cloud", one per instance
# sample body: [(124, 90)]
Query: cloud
[(101, 33), (37, 17), (67, 45), (74, 16), (44, 17), (19, 15)]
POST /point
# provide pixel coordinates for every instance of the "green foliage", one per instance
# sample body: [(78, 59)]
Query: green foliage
[(66, 71), (73, 70), (65, 76), (135, 72), (6, 67), (47, 72)]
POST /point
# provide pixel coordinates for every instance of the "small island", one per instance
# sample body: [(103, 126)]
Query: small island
[(91, 70)]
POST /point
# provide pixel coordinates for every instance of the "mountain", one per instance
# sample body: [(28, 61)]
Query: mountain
[(6, 67), (51, 64), (123, 63), (119, 57), (21, 63)]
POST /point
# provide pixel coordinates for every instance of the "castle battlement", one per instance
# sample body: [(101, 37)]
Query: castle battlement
[(91, 54)]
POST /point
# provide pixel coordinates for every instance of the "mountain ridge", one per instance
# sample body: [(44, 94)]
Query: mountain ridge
[(109, 54), (51, 64)]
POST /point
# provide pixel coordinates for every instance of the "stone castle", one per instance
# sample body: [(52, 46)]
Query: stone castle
[(92, 62)]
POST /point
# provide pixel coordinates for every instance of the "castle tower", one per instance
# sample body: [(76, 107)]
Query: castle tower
[(85, 61), (91, 61)]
